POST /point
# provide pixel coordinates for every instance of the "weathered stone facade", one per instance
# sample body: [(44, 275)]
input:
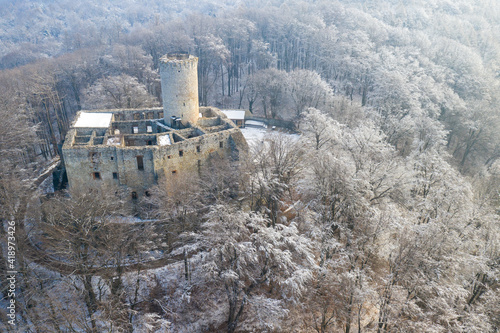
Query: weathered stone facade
[(128, 151), (179, 87)]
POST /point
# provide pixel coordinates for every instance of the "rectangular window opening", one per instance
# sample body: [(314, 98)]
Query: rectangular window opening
[(97, 175), (221, 144), (140, 163), (174, 172), (181, 153), (198, 149), (149, 129), (115, 175), (135, 130), (94, 157), (134, 195)]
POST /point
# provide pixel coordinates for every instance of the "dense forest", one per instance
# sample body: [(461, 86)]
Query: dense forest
[(382, 216)]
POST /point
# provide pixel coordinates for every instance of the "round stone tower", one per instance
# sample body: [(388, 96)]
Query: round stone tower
[(179, 88)]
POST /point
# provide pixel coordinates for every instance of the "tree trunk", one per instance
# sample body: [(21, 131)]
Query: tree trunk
[(90, 299)]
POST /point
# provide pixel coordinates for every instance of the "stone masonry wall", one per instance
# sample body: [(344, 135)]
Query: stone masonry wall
[(179, 86)]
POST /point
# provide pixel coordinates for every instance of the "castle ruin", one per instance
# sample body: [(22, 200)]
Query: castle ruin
[(131, 149)]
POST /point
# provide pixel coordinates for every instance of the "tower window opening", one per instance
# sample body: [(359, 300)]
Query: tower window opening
[(221, 144), (97, 175), (198, 149), (134, 195), (181, 153), (140, 163), (115, 175)]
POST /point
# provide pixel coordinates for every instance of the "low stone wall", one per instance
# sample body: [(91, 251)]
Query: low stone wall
[(275, 122)]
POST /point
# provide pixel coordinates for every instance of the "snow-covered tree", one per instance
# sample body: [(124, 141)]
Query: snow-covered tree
[(245, 259), (273, 171), (271, 86), (115, 92), (308, 89)]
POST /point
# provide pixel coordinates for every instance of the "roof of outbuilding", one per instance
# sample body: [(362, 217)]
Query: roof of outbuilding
[(234, 114)]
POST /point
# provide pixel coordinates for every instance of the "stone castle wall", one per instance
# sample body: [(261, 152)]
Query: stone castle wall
[(117, 163)]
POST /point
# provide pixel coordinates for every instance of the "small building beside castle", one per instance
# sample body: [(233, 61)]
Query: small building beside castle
[(236, 116), (132, 149)]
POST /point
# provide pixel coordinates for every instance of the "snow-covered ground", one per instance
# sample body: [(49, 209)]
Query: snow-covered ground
[(256, 136), (164, 140), (113, 141)]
